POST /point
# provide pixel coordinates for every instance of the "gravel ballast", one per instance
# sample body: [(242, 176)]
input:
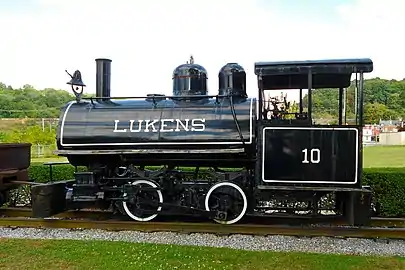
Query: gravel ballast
[(270, 243)]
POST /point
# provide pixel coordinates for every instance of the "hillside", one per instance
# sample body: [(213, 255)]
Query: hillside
[(383, 99), (31, 103)]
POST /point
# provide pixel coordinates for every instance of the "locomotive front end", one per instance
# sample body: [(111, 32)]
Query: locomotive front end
[(137, 149)]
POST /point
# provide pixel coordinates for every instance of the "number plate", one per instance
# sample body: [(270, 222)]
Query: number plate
[(310, 155)]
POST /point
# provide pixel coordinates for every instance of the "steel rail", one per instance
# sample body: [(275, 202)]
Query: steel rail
[(247, 229), (27, 212), (99, 214), (388, 222)]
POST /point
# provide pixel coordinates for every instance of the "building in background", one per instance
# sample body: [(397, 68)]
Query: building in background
[(386, 132), (371, 133), (390, 125)]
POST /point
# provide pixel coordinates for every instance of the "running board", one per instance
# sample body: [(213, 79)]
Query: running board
[(309, 188), (149, 151)]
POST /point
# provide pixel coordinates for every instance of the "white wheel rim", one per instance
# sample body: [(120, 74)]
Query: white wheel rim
[(130, 214), (122, 174), (207, 197)]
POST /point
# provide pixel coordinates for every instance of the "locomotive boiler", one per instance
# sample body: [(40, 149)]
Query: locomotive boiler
[(222, 156), (165, 128)]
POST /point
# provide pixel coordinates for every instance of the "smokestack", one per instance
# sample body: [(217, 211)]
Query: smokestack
[(103, 78)]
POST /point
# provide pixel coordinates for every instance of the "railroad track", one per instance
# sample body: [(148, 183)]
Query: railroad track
[(27, 212), (99, 214), (21, 218), (247, 229)]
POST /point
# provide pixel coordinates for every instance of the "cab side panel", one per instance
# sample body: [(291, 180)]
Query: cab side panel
[(317, 155)]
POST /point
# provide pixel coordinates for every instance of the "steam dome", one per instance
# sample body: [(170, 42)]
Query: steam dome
[(190, 80), (232, 80)]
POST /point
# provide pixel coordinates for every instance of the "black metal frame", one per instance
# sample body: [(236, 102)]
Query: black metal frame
[(331, 74), (312, 75), (319, 74), (51, 164)]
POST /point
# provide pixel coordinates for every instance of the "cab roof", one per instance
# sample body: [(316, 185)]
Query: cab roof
[(328, 73)]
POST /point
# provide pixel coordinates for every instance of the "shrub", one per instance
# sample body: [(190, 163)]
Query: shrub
[(387, 184), (40, 173)]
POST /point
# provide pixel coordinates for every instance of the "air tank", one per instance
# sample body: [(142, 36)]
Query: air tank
[(190, 79), (232, 80)]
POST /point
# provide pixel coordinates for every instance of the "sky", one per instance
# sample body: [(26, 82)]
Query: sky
[(147, 40)]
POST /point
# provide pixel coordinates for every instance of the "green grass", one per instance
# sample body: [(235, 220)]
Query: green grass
[(374, 157), (75, 254), (50, 159), (384, 156)]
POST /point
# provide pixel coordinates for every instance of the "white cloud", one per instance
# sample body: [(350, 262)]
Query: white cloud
[(147, 39), (375, 27)]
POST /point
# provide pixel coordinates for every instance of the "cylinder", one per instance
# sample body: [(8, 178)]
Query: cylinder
[(103, 78)]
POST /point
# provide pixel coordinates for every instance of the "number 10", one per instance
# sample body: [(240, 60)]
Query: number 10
[(315, 155)]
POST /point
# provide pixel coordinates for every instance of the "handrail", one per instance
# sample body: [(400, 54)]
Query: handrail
[(161, 97), (52, 163)]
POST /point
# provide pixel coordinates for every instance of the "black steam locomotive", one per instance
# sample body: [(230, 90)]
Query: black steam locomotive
[(145, 155)]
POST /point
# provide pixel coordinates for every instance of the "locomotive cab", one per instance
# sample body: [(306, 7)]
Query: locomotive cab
[(300, 154)]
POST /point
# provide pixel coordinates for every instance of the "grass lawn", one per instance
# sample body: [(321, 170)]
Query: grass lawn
[(374, 156), (384, 156), (51, 159), (75, 254)]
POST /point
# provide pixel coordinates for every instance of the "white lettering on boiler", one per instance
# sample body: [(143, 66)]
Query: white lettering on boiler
[(131, 125), (180, 123), (116, 127), (152, 124), (162, 125), (201, 125)]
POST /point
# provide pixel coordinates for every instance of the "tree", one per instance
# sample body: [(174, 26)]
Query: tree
[(374, 112), (29, 134), (383, 99), (29, 102)]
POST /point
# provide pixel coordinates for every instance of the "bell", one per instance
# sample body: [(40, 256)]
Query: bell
[(76, 79)]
